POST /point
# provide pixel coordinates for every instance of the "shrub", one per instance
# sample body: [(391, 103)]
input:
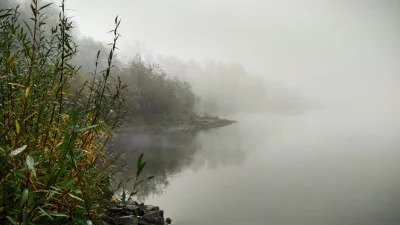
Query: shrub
[(155, 96), (52, 158)]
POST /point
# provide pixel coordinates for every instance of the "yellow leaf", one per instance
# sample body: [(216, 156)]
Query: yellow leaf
[(115, 200), (17, 126), (27, 91), (9, 59), (15, 84)]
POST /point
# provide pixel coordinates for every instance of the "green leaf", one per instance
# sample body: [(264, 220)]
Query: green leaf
[(45, 213), (17, 151), (75, 197), (138, 183), (58, 215), (109, 163), (57, 189), (86, 128), (139, 161), (68, 46), (45, 6), (24, 196), (123, 196), (150, 177), (24, 217), (127, 181), (120, 184), (81, 221), (5, 15), (89, 203), (82, 150), (67, 184), (33, 10), (88, 222), (140, 168), (59, 144), (46, 191), (12, 220), (30, 162), (77, 191), (18, 173)]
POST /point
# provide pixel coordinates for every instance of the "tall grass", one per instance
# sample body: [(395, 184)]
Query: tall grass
[(52, 158)]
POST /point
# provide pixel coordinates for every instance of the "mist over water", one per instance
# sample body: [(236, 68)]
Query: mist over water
[(320, 167), (336, 52), (314, 86), (260, 55), (317, 145)]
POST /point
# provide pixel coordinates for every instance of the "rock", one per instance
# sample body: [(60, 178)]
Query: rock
[(115, 210), (140, 212), (132, 208), (126, 220), (154, 217), (141, 222), (150, 208), (131, 202), (134, 214), (108, 220)]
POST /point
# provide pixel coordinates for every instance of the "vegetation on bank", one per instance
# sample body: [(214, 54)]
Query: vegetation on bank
[(153, 97), (56, 119), (53, 165)]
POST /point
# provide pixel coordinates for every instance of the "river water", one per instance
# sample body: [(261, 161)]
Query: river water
[(323, 167)]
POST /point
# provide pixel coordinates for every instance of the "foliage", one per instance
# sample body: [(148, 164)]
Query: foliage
[(154, 96), (122, 188), (53, 166)]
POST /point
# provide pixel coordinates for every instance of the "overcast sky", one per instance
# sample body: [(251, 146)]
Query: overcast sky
[(318, 46)]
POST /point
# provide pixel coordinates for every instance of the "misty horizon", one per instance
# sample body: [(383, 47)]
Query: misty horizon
[(335, 52)]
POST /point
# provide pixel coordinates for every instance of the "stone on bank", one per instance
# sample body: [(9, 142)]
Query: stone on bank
[(135, 214)]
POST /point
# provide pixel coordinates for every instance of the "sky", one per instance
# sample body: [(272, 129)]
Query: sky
[(332, 49)]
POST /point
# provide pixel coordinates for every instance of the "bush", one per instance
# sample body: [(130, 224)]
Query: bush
[(154, 96), (52, 158)]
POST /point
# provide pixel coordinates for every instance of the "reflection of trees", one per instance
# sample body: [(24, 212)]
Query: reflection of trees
[(169, 154), (165, 154), (219, 149)]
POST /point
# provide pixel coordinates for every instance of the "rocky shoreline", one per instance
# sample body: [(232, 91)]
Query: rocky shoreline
[(188, 124), (135, 214)]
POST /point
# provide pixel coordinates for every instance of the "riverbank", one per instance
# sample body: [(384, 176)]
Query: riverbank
[(192, 123), (135, 214)]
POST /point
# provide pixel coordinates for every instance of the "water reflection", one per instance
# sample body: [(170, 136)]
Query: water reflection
[(169, 154), (326, 167)]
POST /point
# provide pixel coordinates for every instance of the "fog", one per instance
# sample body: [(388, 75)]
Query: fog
[(334, 52), (341, 58), (278, 55), (314, 85)]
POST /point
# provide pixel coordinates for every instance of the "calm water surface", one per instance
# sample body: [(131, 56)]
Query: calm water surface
[(326, 167)]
